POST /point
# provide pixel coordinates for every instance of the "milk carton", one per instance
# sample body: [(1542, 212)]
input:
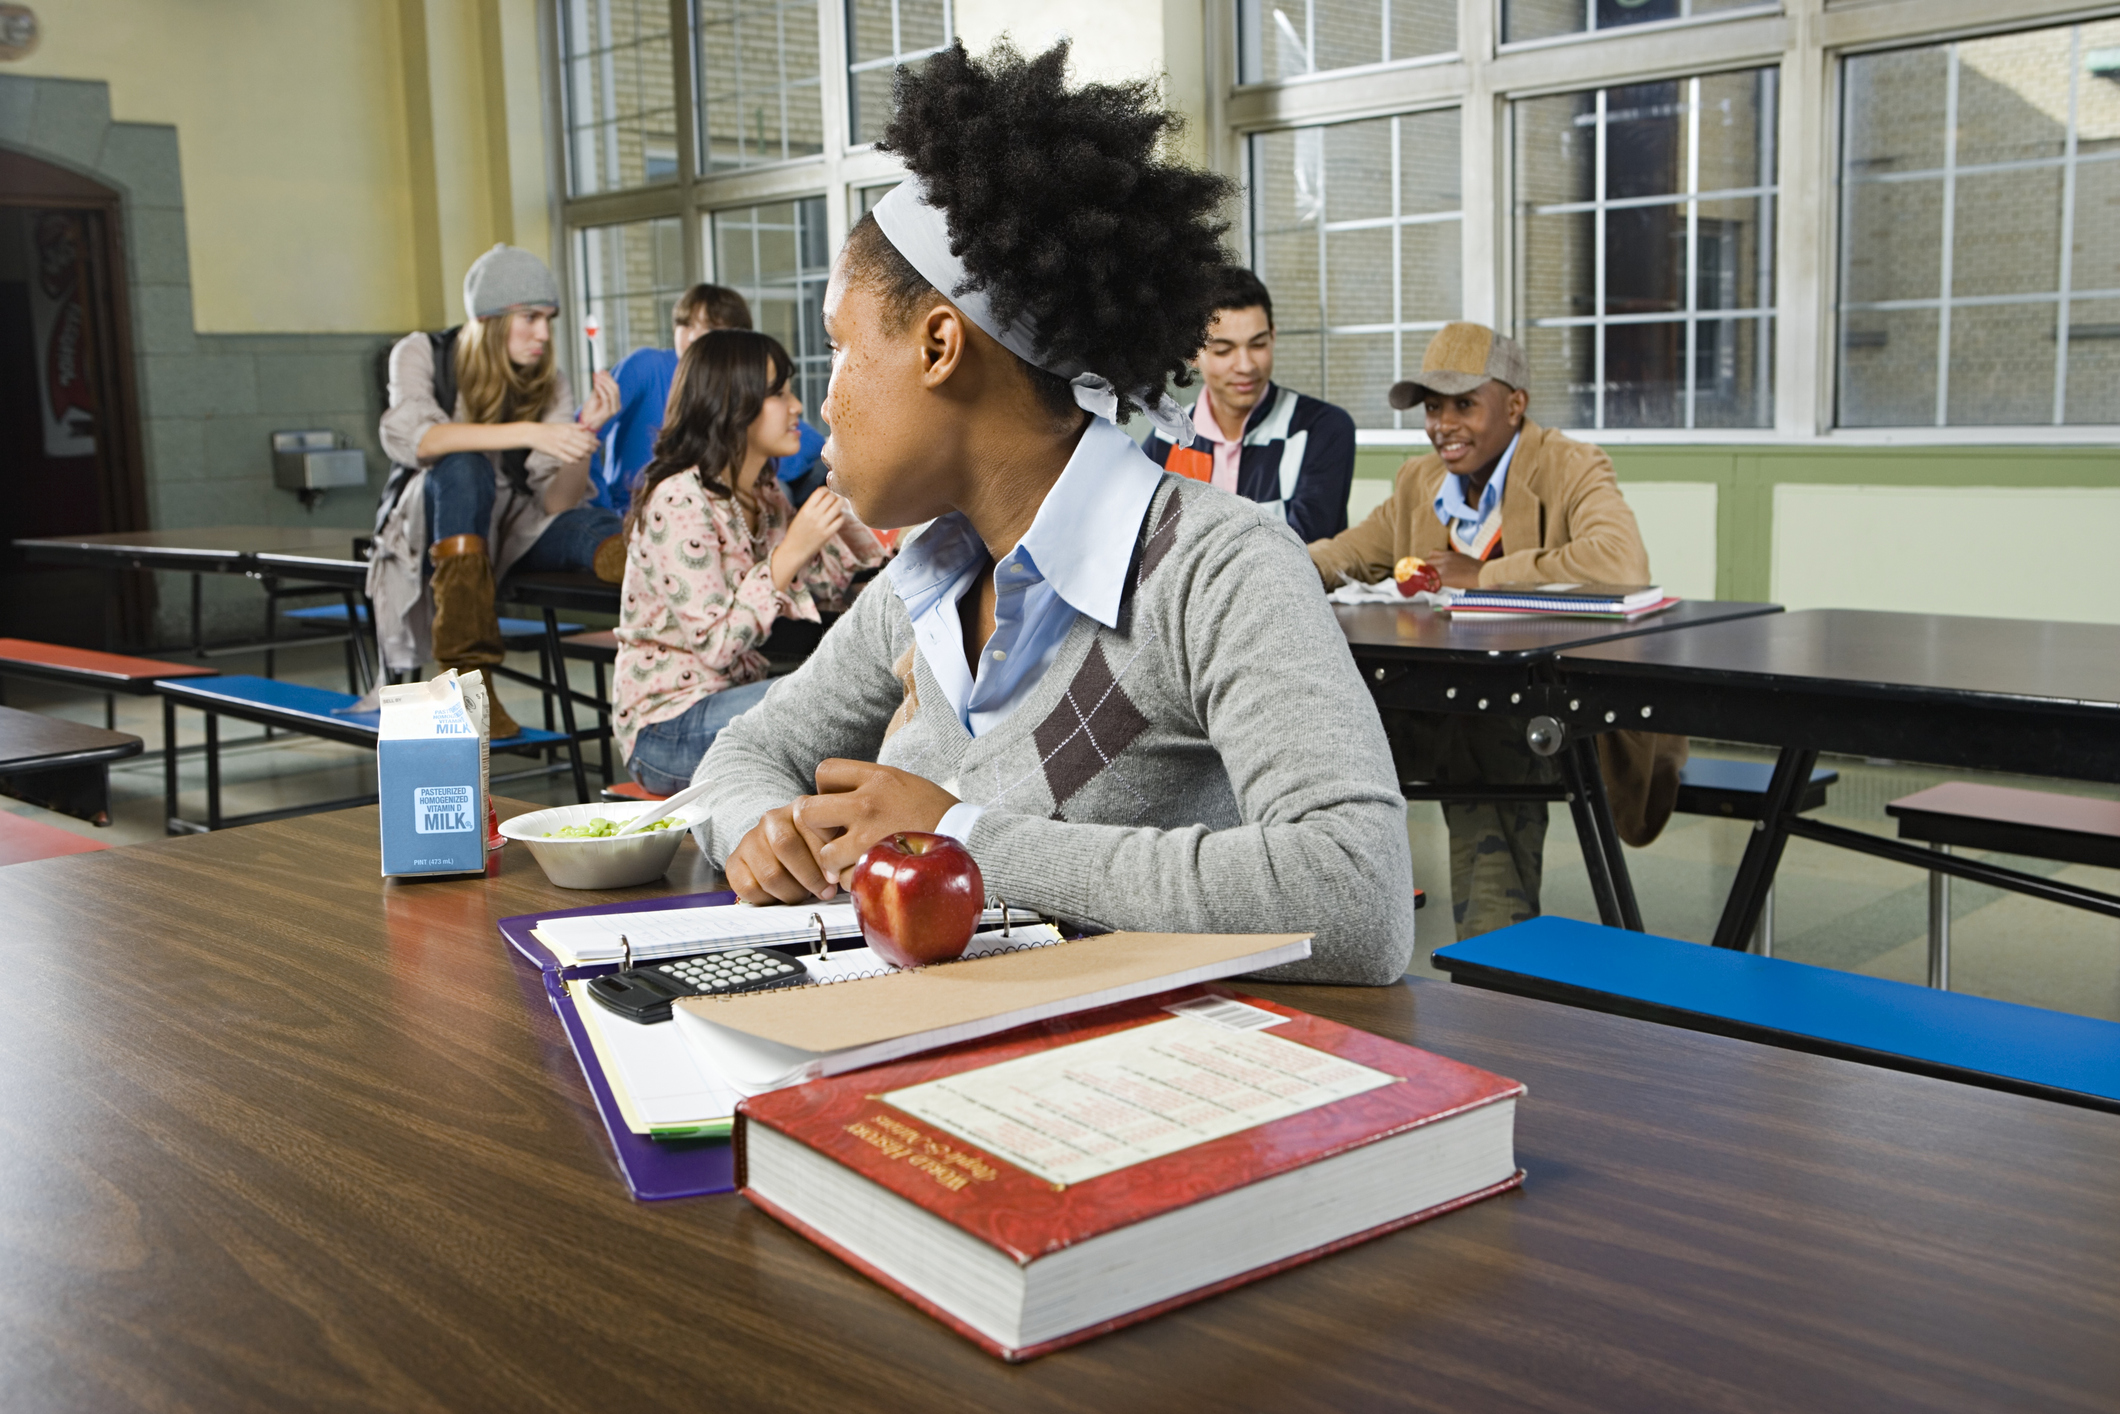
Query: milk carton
[(427, 767)]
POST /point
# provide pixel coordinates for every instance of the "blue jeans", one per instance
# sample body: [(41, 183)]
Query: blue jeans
[(460, 493), (665, 754)]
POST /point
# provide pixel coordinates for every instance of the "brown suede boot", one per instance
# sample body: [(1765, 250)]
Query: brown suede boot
[(611, 559), (467, 631)]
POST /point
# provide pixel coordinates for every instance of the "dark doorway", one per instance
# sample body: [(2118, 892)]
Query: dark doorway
[(69, 424)]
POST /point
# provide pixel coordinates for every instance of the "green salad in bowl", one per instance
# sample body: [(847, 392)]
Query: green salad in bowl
[(600, 828)]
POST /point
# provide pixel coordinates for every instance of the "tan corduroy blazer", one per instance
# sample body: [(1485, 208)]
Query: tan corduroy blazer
[(1563, 518)]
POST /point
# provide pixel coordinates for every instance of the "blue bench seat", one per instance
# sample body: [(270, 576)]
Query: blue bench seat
[(1974, 1040), (299, 707), (292, 706), (335, 614)]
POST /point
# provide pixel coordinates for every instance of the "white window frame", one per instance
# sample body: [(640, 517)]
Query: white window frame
[(838, 173), (1807, 39)]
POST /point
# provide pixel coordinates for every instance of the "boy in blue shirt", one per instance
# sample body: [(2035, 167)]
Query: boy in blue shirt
[(644, 377)]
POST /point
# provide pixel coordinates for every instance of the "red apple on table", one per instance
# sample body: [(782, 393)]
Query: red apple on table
[(919, 897), (1414, 574)]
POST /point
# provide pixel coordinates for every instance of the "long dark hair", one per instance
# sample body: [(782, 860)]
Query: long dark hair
[(722, 384)]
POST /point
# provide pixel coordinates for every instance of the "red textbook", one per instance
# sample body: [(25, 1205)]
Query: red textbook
[(1038, 1188)]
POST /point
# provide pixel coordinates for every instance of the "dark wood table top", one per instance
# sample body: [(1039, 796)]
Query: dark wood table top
[(1387, 631), (1927, 657), (283, 1135), (31, 741), (205, 544)]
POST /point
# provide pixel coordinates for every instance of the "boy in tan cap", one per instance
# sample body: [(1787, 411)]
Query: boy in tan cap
[(1502, 500)]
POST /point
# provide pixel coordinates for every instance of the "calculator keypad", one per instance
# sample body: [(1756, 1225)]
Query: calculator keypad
[(740, 970)]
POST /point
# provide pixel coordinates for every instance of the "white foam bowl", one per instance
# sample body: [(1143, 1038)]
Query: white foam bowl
[(596, 863)]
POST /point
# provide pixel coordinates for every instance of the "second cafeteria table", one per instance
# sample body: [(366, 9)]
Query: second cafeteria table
[(1418, 660), (60, 764), (281, 1135), (1995, 694)]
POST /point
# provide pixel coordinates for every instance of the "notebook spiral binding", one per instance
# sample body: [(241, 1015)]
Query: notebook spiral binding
[(1006, 924)]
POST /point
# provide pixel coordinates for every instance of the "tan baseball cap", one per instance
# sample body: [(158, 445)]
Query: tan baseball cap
[(1460, 357)]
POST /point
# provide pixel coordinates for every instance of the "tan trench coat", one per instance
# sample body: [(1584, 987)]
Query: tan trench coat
[(1563, 518)]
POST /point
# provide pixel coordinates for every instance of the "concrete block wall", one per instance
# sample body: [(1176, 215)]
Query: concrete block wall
[(208, 402)]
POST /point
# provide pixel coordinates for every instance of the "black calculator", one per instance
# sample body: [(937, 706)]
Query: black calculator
[(644, 993)]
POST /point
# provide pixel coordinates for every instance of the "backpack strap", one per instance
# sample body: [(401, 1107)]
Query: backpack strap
[(442, 347)]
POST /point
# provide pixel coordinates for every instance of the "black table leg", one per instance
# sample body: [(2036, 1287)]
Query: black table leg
[(1600, 812), (603, 719), (1770, 834), (169, 766), (558, 659), (213, 771), (1583, 804)]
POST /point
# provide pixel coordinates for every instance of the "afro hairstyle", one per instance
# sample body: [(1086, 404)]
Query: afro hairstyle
[(1066, 212)]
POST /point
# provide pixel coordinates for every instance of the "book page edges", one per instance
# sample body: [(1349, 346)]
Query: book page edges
[(1090, 1332), (822, 1020)]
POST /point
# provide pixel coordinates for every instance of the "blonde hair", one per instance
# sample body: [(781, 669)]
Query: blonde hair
[(492, 387)]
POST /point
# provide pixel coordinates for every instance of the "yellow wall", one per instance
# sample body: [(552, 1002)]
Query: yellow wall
[(340, 170)]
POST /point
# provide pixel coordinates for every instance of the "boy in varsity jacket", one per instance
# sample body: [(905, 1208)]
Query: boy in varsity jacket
[(1292, 453)]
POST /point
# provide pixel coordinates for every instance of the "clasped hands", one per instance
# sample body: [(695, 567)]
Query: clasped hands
[(805, 848)]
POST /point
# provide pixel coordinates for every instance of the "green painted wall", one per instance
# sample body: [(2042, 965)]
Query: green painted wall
[(1745, 477)]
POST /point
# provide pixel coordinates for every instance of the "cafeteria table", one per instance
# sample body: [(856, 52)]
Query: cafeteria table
[(285, 1135), (253, 550), (1416, 659), (60, 764), (2027, 696)]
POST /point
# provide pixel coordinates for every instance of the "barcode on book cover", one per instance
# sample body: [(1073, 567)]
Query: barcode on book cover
[(1227, 1014)]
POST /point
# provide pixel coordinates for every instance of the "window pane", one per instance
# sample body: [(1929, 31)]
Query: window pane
[(1892, 241), (1646, 253), (1542, 19), (620, 94), (2093, 361), (1888, 368), (2007, 238), (1978, 193), (1294, 37), (756, 72), (2002, 364), (882, 36), (1356, 228), (630, 277), (775, 257)]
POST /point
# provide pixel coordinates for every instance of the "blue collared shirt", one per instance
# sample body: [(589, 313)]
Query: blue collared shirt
[(1072, 561), (1451, 507)]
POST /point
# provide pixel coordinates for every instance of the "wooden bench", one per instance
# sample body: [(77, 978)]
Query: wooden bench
[(91, 671), (1737, 790), (2035, 823), (1897, 1025), (297, 707)]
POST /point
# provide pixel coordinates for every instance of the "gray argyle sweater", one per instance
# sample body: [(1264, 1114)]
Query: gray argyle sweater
[(1214, 764)]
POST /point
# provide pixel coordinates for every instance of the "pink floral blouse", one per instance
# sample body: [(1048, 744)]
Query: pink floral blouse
[(698, 597)]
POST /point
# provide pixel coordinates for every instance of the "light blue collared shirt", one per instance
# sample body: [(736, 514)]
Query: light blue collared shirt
[(1451, 507), (1071, 561)]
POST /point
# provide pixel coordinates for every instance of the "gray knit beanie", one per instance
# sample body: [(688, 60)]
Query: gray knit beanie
[(505, 277)]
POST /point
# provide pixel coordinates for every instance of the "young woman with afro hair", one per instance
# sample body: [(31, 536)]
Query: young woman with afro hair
[(1119, 688)]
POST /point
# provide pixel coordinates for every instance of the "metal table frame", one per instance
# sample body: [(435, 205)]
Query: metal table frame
[(1461, 675), (1804, 715)]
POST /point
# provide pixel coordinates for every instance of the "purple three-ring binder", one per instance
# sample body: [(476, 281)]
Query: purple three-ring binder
[(653, 1168)]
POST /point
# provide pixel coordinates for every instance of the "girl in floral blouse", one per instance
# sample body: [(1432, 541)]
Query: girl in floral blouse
[(715, 554)]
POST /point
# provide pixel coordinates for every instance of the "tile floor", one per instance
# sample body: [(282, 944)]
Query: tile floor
[(1833, 908)]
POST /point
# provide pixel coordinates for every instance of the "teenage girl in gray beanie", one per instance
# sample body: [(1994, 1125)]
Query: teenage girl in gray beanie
[(497, 478)]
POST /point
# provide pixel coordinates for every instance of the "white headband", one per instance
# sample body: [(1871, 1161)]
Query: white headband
[(921, 234)]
